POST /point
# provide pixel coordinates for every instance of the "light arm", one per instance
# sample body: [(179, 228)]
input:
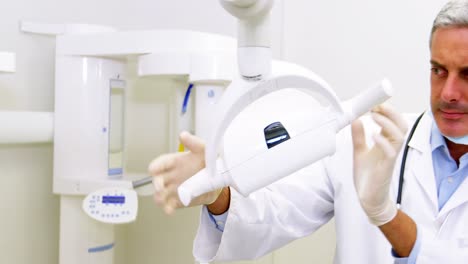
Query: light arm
[(253, 36)]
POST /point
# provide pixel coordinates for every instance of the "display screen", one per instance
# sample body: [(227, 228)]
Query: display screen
[(113, 199)]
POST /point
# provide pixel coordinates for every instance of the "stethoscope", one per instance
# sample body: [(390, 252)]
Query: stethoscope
[(403, 161)]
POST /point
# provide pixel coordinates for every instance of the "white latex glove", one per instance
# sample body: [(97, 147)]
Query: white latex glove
[(171, 170), (373, 168)]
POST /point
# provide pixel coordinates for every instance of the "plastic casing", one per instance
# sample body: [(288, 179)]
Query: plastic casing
[(259, 166)]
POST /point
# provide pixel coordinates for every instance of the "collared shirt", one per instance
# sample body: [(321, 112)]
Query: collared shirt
[(448, 175)]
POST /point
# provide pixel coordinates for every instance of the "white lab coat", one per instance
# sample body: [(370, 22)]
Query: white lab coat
[(299, 204)]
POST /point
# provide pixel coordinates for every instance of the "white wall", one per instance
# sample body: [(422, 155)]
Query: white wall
[(348, 43), (352, 44)]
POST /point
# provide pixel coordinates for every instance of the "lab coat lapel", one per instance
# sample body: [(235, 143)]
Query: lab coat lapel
[(424, 173), (420, 162), (422, 169)]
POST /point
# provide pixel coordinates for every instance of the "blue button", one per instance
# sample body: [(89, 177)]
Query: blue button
[(211, 93)]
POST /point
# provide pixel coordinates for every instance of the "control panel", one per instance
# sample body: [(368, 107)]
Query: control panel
[(112, 205)]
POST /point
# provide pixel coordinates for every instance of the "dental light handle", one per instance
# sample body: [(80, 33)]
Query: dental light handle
[(202, 182), (364, 102)]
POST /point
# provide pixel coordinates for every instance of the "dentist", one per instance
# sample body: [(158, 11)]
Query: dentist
[(421, 165)]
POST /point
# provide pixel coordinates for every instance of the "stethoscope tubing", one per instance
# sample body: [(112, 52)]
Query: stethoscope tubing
[(403, 161)]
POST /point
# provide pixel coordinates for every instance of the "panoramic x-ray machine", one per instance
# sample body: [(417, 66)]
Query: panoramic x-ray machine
[(88, 125)]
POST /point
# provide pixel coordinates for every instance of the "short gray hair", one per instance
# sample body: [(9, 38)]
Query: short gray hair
[(453, 14)]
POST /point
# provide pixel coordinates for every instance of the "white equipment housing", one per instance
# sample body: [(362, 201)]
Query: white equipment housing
[(89, 147)]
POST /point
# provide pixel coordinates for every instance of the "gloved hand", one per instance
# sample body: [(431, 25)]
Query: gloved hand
[(171, 170), (373, 168)]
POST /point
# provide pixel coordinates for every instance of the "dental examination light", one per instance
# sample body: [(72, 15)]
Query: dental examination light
[(277, 150)]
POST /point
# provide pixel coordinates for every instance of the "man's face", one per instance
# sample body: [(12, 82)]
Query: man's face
[(449, 80)]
